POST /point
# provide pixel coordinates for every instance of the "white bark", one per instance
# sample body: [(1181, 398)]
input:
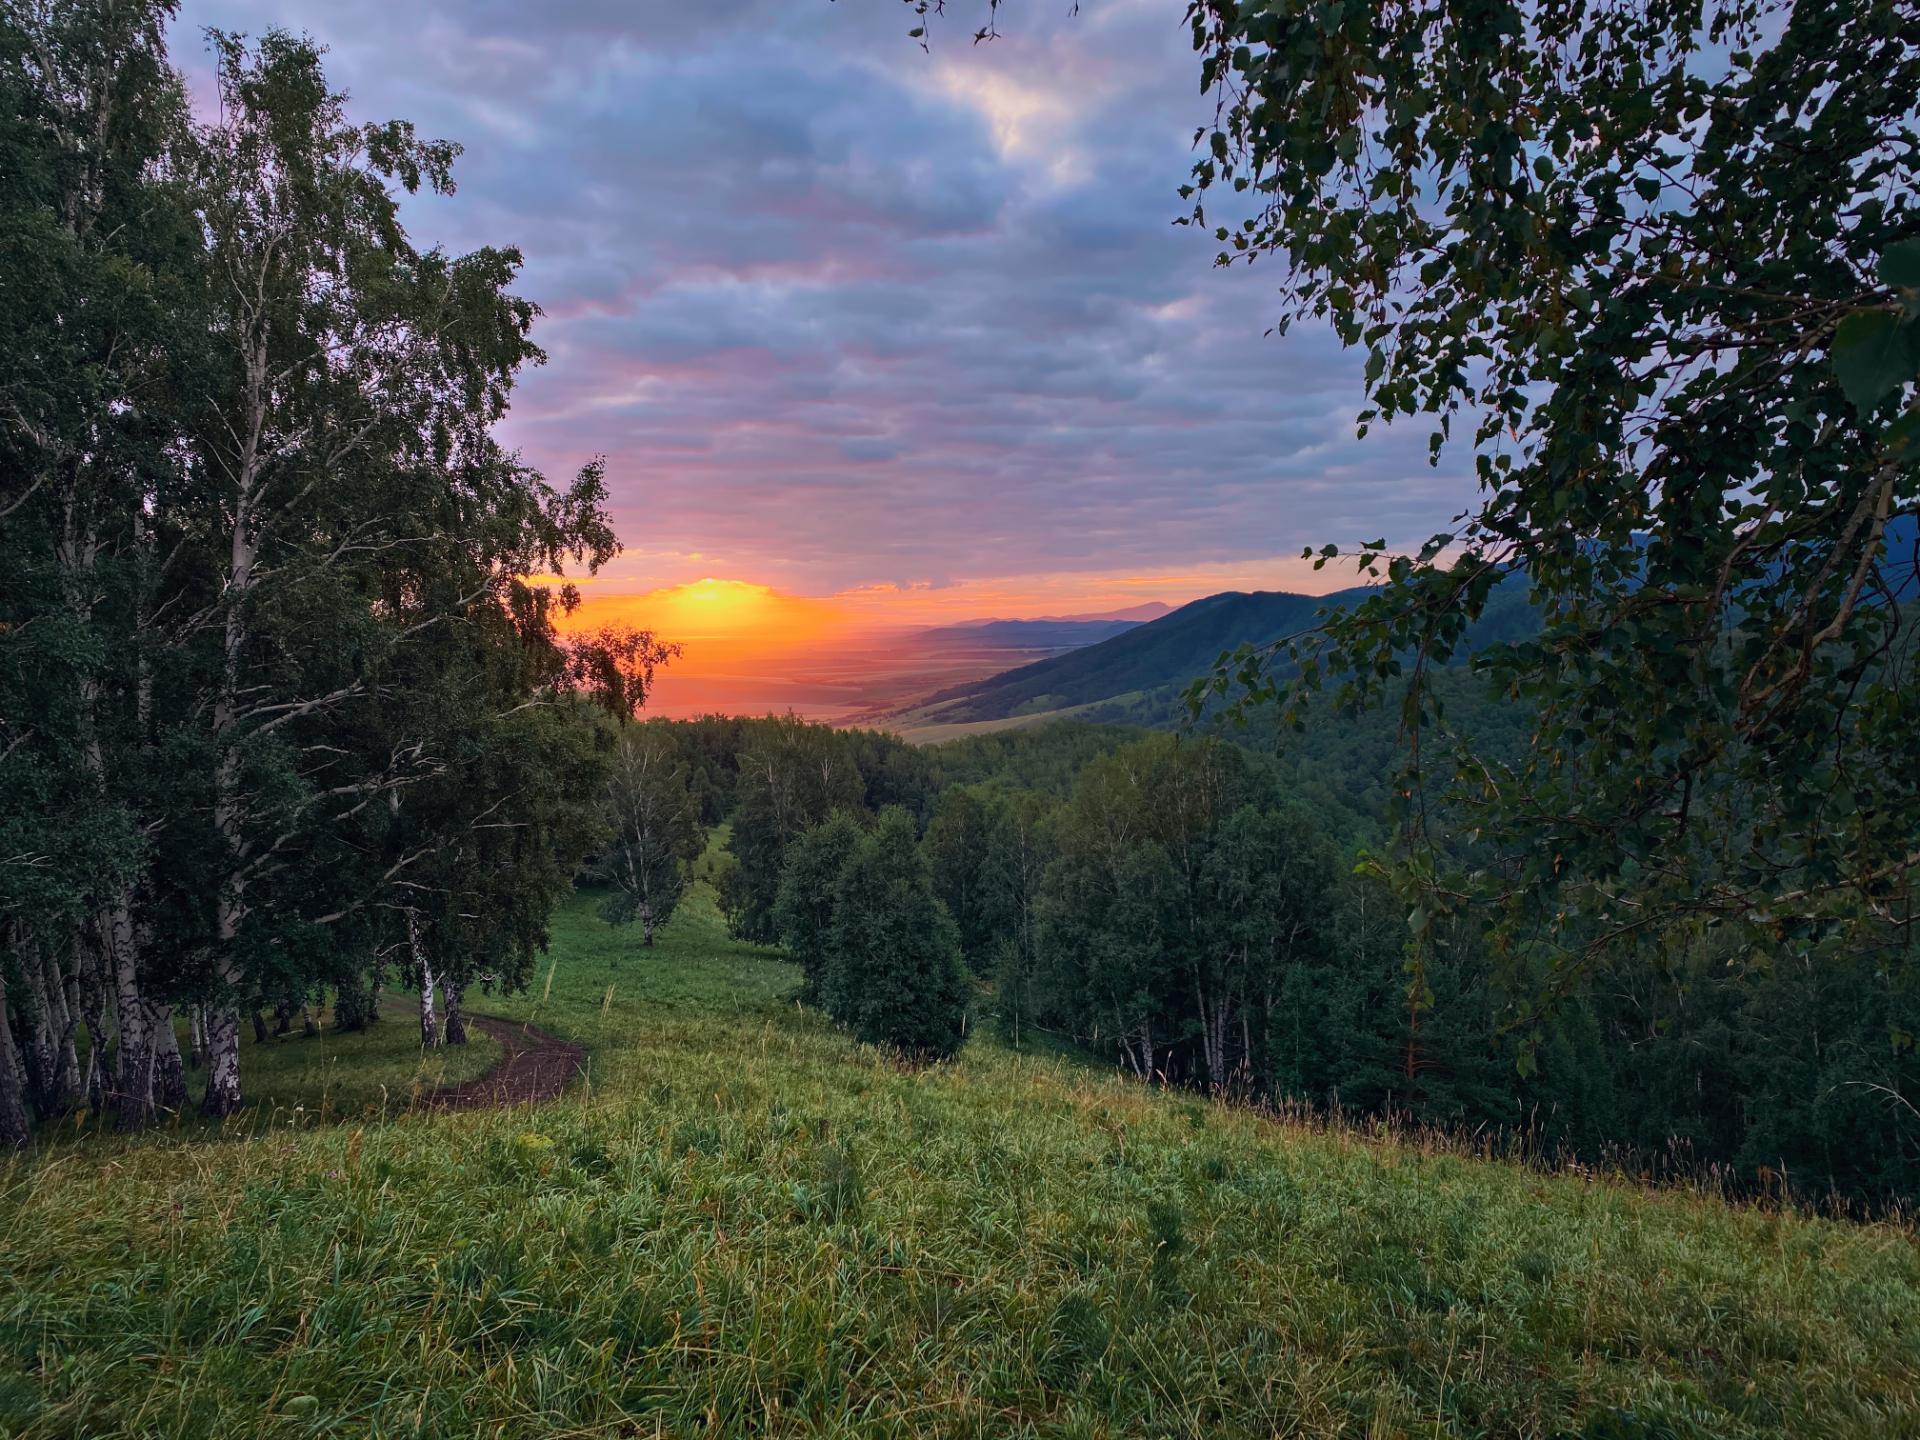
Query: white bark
[(429, 1027)]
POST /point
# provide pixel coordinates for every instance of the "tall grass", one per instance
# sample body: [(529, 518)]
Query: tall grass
[(752, 1227)]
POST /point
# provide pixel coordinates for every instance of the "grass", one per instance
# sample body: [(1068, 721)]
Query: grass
[(298, 1079), (750, 1226)]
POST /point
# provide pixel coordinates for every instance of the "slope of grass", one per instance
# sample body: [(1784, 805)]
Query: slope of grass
[(751, 1227)]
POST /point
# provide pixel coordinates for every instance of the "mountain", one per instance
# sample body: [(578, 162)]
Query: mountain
[(1150, 610), (1163, 655), (1162, 652), (1041, 636)]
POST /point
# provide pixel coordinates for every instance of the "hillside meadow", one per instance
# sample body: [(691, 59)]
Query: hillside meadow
[(741, 1224)]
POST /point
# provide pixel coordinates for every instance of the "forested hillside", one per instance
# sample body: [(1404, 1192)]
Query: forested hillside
[(1141, 672), (1198, 913)]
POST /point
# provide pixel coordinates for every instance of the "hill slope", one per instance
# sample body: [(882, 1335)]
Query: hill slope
[(750, 1226), (1150, 663), (1161, 652), (1038, 636)]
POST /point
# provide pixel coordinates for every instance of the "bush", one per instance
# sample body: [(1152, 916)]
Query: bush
[(354, 1007)]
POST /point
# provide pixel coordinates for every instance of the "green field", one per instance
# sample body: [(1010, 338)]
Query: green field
[(746, 1225)]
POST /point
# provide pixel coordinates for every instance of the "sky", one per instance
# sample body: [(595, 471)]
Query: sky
[(895, 336)]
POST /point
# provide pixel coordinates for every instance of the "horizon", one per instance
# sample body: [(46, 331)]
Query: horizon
[(844, 659), (903, 337)]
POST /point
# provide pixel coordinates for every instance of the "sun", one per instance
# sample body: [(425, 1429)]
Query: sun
[(718, 620), (726, 606)]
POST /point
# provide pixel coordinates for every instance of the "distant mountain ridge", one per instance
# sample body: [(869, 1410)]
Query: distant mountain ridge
[(1164, 654), (1140, 614), (1169, 650), (1036, 635)]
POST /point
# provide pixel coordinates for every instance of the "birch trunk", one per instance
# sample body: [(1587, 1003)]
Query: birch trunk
[(134, 1057), (196, 1039), (1212, 1036), (66, 984), (169, 1085), (53, 1070), (37, 1044), (429, 1029), (15, 1131), (230, 812), (223, 1061), (456, 1029), (221, 1020)]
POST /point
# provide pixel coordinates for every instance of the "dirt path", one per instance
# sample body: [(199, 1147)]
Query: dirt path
[(538, 1067)]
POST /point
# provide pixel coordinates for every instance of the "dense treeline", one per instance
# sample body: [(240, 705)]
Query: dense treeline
[(278, 714), (1198, 913)]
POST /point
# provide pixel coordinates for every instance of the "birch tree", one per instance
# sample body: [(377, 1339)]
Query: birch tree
[(101, 319), (655, 819), (350, 437)]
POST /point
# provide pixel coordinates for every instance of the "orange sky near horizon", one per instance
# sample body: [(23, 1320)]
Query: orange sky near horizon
[(751, 649)]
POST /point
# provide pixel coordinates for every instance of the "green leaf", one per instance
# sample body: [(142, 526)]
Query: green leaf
[(1873, 355), (1903, 435), (1900, 268)]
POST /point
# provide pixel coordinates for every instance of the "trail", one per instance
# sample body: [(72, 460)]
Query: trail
[(538, 1067)]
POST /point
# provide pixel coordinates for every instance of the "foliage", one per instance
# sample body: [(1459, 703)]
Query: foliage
[(988, 849), (1662, 256), (1140, 920), (803, 913), (894, 975), (788, 775), (655, 819), (1045, 760), (792, 775)]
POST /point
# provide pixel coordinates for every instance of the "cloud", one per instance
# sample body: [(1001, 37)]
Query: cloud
[(843, 312)]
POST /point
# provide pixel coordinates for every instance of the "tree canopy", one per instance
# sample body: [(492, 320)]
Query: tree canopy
[(278, 699), (1660, 262)]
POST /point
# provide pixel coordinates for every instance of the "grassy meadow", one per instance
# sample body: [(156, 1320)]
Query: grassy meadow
[(746, 1225)]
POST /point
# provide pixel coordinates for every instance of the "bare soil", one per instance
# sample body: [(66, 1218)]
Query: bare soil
[(538, 1067)]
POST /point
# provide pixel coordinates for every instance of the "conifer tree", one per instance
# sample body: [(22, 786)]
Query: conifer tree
[(804, 911), (895, 977)]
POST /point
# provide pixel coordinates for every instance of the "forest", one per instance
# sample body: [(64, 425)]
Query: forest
[(1207, 915)]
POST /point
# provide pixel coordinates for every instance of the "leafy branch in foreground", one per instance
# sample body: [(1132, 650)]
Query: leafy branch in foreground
[(1664, 257)]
